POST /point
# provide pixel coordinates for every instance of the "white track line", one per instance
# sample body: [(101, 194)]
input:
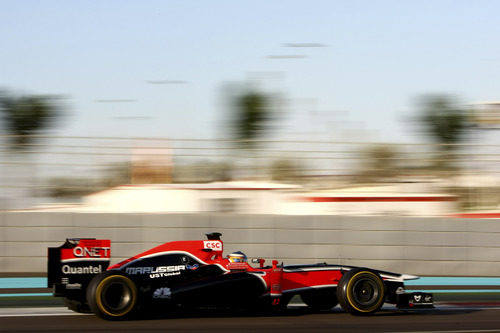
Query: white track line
[(461, 331), (36, 312)]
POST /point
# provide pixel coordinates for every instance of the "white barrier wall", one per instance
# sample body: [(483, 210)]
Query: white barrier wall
[(421, 246)]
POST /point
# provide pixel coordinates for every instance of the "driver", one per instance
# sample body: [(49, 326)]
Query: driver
[(237, 257)]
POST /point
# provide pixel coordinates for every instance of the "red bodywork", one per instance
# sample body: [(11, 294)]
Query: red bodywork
[(278, 279)]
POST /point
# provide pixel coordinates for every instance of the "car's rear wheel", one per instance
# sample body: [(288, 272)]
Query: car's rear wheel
[(112, 295), (361, 291)]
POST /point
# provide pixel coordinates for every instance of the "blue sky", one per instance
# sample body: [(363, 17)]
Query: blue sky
[(379, 57)]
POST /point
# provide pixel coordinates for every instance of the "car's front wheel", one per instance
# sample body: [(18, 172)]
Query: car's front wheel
[(361, 291), (112, 295)]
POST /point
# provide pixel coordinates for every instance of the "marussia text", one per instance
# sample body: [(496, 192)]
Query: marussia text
[(156, 272)]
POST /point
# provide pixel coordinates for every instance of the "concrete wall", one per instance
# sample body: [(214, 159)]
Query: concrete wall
[(422, 246)]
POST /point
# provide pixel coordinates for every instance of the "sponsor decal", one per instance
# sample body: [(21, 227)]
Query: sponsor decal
[(192, 267), (91, 252), (421, 298), (159, 275), (212, 245), (87, 249), (162, 293), (67, 269), (156, 272), (73, 286), (237, 266)]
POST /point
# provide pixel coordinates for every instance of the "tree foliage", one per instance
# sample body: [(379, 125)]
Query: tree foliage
[(203, 172), (286, 170), (24, 116), (378, 163), (252, 113), (444, 120)]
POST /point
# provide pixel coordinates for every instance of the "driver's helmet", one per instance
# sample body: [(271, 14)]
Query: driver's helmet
[(237, 257)]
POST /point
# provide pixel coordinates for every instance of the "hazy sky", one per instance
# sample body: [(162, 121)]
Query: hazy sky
[(379, 56)]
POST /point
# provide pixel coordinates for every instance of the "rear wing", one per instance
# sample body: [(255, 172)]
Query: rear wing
[(72, 265)]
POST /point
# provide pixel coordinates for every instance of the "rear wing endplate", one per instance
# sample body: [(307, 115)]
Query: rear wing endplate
[(72, 265)]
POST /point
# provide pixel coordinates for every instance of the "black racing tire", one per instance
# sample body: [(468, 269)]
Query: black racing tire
[(361, 291), (112, 295), (320, 299)]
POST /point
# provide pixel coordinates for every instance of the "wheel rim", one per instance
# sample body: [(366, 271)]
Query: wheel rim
[(365, 292), (116, 296)]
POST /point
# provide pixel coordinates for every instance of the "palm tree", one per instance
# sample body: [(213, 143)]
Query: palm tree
[(252, 114), (22, 117), (25, 116), (446, 122)]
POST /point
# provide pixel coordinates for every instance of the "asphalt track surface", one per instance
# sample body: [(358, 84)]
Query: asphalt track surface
[(451, 319)]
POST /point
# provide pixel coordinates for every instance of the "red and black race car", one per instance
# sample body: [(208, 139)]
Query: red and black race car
[(195, 273)]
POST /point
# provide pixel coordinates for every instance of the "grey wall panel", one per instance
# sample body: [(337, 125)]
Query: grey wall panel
[(292, 251), (295, 236), (157, 234), (323, 236), (491, 268), (435, 253), (372, 237), (325, 252), (484, 225), (213, 222), (422, 246), (375, 223), (490, 239), (25, 249), (249, 236), (456, 224), (424, 224), (27, 219), (435, 238), (478, 254), (267, 251), (24, 264), (368, 252), (28, 234), (123, 249)]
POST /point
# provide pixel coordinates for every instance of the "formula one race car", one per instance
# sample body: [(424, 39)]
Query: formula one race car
[(196, 274)]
